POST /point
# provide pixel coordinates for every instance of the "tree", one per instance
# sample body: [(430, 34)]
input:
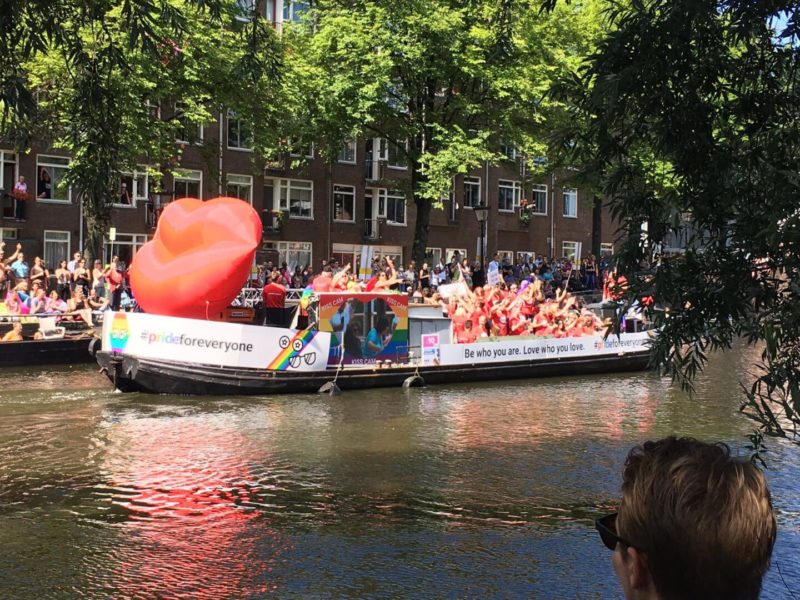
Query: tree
[(691, 112), (89, 76), (445, 83)]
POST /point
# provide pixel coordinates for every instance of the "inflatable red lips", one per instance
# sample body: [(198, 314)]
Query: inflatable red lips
[(198, 259)]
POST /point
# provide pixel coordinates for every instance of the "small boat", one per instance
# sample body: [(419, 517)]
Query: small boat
[(47, 340), (359, 341)]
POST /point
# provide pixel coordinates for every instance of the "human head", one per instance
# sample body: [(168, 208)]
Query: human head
[(20, 257), (22, 178), (77, 256), (699, 522)]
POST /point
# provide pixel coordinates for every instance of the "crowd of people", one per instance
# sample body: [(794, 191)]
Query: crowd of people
[(534, 297), (71, 290)]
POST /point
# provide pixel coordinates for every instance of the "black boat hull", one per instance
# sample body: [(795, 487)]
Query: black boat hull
[(130, 374), (63, 351)]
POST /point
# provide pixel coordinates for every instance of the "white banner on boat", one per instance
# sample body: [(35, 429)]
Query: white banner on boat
[(516, 349), (215, 343)]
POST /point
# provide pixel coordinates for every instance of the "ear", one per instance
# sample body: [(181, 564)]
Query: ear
[(637, 569)]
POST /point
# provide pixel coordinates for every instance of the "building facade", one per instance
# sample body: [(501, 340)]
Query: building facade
[(311, 209)]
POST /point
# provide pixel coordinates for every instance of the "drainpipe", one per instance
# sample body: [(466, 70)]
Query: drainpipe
[(221, 128), (553, 216), (486, 201), (80, 225)]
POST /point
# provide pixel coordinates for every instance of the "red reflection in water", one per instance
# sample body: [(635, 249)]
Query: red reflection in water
[(191, 533)]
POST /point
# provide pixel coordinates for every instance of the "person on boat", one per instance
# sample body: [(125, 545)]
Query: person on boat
[(19, 267), (274, 297), (63, 279), (81, 277), (96, 302), (39, 272), (78, 306), (378, 337), (468, 334), (322, 282), (11, 305), (39, 302), (14, 335), (115, 278), (352, 340), (55, 304), (693, 522), (99, 279)]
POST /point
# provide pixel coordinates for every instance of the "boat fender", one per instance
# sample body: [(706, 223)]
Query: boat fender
[(94, 346), (330, 388), (414, 381)]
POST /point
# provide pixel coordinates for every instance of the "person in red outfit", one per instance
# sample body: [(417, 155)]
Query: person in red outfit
[(274, 294)]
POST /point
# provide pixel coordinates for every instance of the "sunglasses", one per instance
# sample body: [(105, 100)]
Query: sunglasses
[(607, 526)]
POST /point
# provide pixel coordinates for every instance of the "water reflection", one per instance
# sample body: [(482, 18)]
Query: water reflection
[(479, 490)]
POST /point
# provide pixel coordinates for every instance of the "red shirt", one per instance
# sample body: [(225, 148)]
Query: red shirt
[(274, 295)]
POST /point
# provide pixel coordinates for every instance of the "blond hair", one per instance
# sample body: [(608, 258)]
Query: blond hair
[(703, 519)]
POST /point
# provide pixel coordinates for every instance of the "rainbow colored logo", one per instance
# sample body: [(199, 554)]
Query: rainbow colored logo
[(120, 332), (291, 348)]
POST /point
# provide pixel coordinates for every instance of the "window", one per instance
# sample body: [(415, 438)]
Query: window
[(606, 249), (293, 11), (239, 186), (297, 196), (188, 184), (571, 203), (133, 188), (50, 184), (571, 250), (348, 152), (509, 195), (8, 171), (539, 199), (395, 208), (300, 148), (294, 254), (433, 256), (188, 131), (245, 9), (125, 246), (240, 137), (56, 247), (396, 156), (8, 233), (344, 201), (472, 191), (268, 10), (525, 258), (452, 252), (506, 256), (508, 150)]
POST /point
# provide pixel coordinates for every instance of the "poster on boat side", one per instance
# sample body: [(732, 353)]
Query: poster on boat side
[(531, 348), (365, 328), (430, 349), (215, 343)]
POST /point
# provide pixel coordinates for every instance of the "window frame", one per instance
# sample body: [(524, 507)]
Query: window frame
[(246, 180), (282, 247), (182, 175), (231, 114), (389, 163), (540, 187), (576, 246), (469, 180), (49, 165), (134, 176), (13, 231), (394, 195), (516, 188), (45, 241), (201, 128), (352, 194), (448, 254), (564, 193), (287, 184), (8, 186), (606, 249), (436, 256), (348, 144)]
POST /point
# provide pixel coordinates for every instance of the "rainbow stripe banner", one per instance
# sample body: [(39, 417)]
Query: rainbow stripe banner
[(294, 355)]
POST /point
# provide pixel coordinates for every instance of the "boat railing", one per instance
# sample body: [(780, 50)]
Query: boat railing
[(250, 296)]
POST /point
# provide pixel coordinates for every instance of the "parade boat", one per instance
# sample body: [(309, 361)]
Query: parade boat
[(46, 340), (359, 341), (185, 278)]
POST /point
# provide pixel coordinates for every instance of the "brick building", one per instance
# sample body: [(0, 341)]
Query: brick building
[(311, 212)]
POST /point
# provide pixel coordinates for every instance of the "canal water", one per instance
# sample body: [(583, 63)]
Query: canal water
[(463, 491)]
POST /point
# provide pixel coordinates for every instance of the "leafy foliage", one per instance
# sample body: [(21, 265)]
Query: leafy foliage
[(689, 116)]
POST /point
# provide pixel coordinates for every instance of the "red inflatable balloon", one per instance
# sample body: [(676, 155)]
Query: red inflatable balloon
[(198, 259)]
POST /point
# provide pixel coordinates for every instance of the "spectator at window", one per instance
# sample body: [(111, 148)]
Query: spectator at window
[(125, 195), (44, 188)]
